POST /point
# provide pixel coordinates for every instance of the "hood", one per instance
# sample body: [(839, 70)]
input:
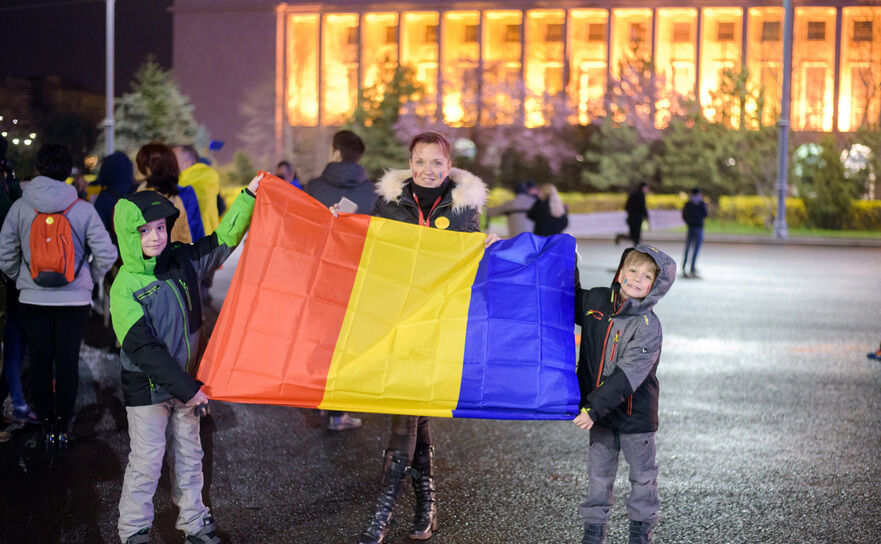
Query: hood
[(47, 195), (468, 191), (131, 212), (666, 276), (344, 175), (116, 172)]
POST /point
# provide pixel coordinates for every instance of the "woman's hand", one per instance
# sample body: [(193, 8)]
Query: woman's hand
[(335, 209), (491, 238), (583, 420), (255, 183)]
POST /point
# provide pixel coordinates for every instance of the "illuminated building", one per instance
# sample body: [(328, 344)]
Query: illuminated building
[(505, 62)]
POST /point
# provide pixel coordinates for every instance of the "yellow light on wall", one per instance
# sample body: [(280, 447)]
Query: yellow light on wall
[(302, 69)]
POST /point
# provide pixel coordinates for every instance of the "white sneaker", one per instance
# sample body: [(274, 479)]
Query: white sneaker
[(343, 422)]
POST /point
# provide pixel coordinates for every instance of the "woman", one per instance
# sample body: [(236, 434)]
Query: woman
[(549, 212), (431, 194), (159, 165)]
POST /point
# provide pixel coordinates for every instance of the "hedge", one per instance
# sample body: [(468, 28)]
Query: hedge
[(756, 211)]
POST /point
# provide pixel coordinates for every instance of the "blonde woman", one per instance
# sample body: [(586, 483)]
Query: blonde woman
[(549, 212)]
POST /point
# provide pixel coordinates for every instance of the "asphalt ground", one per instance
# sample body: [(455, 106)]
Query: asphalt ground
[(770, 432)]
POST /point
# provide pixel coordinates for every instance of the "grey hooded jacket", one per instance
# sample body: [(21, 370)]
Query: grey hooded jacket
[(46, 195), (620, 349)]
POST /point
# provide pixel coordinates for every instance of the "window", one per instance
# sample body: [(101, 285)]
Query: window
[(554, 32), (725, 31), (352, 36), (862, 31), (817, 30), (431, 34), (770, 31), (391, 35), (637, 32), (596, 32), (471, 33), (681, 32), (512, 33)]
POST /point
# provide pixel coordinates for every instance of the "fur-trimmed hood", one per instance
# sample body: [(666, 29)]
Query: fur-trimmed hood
[(469, 191)]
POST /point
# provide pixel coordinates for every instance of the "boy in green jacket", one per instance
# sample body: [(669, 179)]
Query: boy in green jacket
[(157, 315)]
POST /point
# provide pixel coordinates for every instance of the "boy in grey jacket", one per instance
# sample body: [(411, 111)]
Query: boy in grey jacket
[(54, 318), (620, 348)]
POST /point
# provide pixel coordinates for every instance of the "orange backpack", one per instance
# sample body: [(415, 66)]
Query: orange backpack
[(52, 249)]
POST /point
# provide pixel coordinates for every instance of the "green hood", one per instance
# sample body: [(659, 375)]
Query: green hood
[(131, 212)]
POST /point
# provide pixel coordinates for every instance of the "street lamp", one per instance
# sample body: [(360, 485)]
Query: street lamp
[(780, 230), (108, 119)]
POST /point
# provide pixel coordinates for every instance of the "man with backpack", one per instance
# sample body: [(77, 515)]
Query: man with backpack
[(55, 247)]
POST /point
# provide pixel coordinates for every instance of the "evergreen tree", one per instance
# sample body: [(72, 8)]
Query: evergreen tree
[(826, 193), (617, 157), (154, 110)]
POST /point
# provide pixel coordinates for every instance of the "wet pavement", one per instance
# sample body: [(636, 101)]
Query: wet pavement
[(770, 432)]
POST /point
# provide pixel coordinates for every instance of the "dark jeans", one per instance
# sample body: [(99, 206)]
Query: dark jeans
[(14, 345), (692, 240), (54, 334), (407, 431)]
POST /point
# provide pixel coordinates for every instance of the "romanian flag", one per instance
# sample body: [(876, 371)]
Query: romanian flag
[(365, 314)]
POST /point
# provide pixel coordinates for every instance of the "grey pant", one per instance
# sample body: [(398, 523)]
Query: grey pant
[(639, 452), (147, 427)]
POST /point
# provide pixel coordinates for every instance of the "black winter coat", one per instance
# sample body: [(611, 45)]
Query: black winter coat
[(343, 179), (459, 209)]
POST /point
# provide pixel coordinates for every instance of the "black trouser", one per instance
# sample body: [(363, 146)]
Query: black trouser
[(54, 334), (407, 431), (635, 231)]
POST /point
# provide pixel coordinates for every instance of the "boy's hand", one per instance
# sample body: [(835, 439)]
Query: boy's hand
[(491, 238), (583, 420), (335, 209), (198, 398), (255, 183)]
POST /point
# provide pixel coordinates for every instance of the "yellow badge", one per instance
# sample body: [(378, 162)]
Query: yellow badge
[(50, 220), (442, 223)]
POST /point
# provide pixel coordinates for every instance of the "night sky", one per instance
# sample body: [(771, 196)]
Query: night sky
[(66, 38)]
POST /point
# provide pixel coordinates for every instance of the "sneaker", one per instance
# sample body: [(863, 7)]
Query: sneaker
[(694, 275), (206, 533), (141, 537), (24, 415), (343, 422), (876, 356)]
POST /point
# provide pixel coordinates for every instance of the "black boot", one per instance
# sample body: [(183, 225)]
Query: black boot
[(426, 506), (394, 469), (50, 437), (640, 532), (594, 533)]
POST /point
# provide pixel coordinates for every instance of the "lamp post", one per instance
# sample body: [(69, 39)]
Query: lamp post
[(780, 230), (108, 119)]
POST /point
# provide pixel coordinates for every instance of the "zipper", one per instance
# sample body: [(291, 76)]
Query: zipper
[(615, 344), (149, 292), (183, 312), (152, 385), (187, 293), (630, 405), (595, 314), (603, 356)]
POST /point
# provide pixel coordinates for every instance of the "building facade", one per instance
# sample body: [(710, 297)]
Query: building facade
[(516, 62)]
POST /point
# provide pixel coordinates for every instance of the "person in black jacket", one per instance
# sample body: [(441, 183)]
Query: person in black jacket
[(343, 177), (619, 353), (637, 212), (693, 213), (549, 213), (432, 194)]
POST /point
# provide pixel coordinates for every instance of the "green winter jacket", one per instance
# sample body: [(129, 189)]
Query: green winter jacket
[(155, 303)]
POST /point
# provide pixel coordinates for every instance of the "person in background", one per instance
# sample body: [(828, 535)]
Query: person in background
[(549, 213), (14, 338), (343, 177), (54, 317), (517, 209), (287, 172), (116, 178), (157, 163), (637, 212), (204, 180), (693, 213)]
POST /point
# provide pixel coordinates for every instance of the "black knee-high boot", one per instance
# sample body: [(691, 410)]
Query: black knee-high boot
[(426, 505), (394, 468)]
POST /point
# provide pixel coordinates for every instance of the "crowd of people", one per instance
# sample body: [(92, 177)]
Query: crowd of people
[(153, 242)]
